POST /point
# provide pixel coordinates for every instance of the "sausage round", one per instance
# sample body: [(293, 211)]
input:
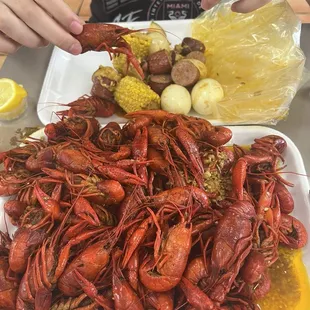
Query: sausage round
[(159, 82), (185, 73), (160, 62), (101, 91), (197, 55), (192, 45)]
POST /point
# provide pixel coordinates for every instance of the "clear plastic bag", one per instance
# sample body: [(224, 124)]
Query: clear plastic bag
[(257, 59)]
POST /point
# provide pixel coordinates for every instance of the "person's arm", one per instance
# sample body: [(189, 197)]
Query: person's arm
[(35, 23), (241, 6)]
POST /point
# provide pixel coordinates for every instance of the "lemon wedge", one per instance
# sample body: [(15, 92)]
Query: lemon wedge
[(13, 99)]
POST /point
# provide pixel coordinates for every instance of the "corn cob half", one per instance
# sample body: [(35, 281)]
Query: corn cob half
[(139, 44), (133, 95)]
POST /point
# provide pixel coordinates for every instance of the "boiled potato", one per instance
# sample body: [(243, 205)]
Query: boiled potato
[(205, 96), (176, 99)]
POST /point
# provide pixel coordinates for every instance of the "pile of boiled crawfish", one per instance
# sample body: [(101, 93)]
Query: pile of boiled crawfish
[(120, 218)]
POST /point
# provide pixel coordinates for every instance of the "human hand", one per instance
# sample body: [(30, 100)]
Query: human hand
[(35, 23), (241, 6)]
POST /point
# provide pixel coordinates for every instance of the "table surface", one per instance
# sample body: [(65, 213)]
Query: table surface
[(28, 68)]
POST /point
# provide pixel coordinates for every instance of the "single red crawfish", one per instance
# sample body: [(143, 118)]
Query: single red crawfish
[(182, 196), (232, 244), (164, 272), (160, 301), (74, 160), (135, 237), (157, 116), (8, 281), (124, 295), (285, 198), (266, 227), (109, 137), (130, 128), (117, 174), (24, 242), (95, 189), (233, 237), (88, 263), (160, 139), (196, 125), (75, 127), (218, 136), (271, 144), (84, 210), (51, 204), (132, 270), (253, 268), (12, 182), (14, 209), (240, 171), (293, 232), (191, 147), (91, 291), (197, 271), (259, 290), (108, 37), (196, 297), (20, 154), (44, 158), (89, 106), (8, 288), (157, 162)]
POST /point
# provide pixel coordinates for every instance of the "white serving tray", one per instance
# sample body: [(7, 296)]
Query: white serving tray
[(243, 135), (69, 77)]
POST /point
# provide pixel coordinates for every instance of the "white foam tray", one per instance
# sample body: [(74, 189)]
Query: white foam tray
[(245, 136), (69, 77)]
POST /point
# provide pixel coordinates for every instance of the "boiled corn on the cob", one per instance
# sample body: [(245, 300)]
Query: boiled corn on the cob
[(139, 44), (133, 95)]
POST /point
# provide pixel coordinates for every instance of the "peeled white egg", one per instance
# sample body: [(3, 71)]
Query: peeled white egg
[(205, 95), (176, 99)]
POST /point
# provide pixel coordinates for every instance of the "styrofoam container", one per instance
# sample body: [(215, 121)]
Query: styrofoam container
[(244, 135), (68, 77)]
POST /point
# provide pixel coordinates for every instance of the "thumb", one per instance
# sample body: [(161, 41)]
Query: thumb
[(208, 4), (246, 6)]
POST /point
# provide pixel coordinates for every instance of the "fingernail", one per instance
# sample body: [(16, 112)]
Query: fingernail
[(76, 27), (204, 4), (75, 49)]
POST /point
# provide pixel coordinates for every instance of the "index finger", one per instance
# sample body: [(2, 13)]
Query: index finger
[(44, 25), (61, 12)]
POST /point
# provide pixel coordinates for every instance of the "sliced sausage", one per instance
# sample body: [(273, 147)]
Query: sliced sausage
[(101, 91), (159, 82), (197, 55), (192, 45), (160, 62), (185, 73)]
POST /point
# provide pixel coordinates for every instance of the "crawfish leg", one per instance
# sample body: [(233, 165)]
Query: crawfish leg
[(92, 292)]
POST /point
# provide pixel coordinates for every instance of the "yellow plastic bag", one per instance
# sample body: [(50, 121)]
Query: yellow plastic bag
[(257, 59)]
